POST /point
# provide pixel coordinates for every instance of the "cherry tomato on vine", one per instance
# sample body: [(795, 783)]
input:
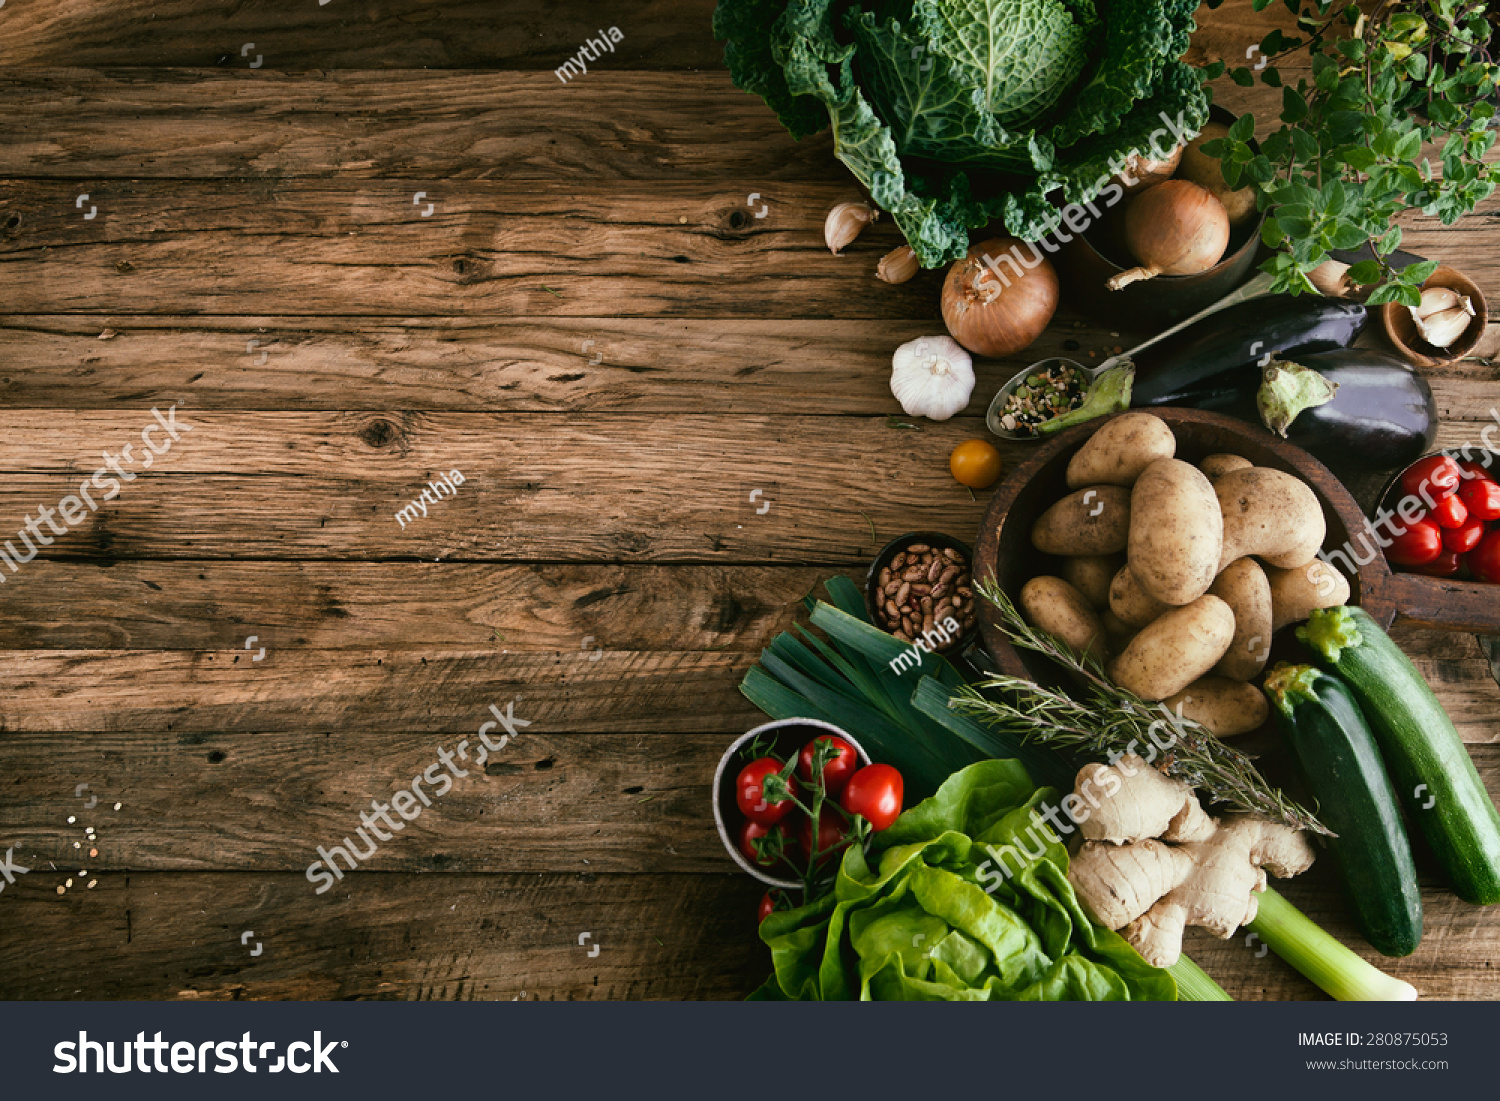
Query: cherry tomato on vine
[(1420, 543), (750, 832), (1451, 511), (1464, 538), (1439, 473), (1482, 499), (836, 771), (768, 904), (1484, 560), (833, 834), (749, 792), (874, 793)]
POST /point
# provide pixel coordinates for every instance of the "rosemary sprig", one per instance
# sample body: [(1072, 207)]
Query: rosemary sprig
[(1112, 719)]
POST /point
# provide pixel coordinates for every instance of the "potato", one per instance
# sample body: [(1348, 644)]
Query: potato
[(1243, 586), (1226, 707), (1176, 531), (1270, 514), (1117, 631), (1091, 574), (1217, 465), (1119, 451), (1050, 604), (1131, 603), (1295, 593), (1091, 521), (1175, 650)]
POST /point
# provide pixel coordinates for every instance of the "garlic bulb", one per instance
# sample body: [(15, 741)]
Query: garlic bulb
[(898, 265), (1443, 316), (845, 222), (932, 377)]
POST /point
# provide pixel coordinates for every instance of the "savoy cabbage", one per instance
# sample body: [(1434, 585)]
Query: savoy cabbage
[(954, 113)]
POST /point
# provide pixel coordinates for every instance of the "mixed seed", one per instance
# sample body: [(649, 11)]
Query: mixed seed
[(921, 587), (1046, 394)]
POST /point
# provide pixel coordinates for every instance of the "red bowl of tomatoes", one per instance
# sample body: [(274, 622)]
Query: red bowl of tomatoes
[(1439, 520), (760, 822)]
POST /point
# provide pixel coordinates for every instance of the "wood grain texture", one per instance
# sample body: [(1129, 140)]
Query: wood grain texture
[(361, 124), (357, 34), (387, 937), (533, 364)]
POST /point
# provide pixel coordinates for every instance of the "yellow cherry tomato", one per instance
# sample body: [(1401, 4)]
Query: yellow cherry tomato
[(975, 463)]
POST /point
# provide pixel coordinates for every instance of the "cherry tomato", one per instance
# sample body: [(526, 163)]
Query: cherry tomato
[(975, 463), (1451, 512), (768, 904), (1484, 560), (750, 832), (1446, 564), (836, 771), (1462, 539), (749, 792), (1470, 470), (833, 833), (1438, 473), (1482, 498), (874, 793), (1419, 544)]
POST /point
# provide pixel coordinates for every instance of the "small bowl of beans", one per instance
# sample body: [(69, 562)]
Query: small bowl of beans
[(920, 587)]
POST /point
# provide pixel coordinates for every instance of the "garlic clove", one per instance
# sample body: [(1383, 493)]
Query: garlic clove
[(1443, 328), (898, 265), (1332, 279), (845, 222), (1438, 299)]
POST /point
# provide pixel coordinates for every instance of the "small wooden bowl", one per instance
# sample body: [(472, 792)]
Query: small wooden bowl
[(1004, 549), (1401, 327)]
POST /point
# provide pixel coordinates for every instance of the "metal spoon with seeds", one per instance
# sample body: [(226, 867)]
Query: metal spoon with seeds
[(1102, 388)]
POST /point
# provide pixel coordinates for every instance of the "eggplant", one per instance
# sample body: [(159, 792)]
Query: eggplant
[(1239, 336), (1380, 416)]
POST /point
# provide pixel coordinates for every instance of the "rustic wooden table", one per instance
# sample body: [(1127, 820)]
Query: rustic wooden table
[(361, 245)]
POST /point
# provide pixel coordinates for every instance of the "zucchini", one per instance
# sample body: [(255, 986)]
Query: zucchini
[(1433, 773), (1341, 764)]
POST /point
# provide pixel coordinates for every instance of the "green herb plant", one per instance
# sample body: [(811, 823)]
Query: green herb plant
[(1348, 157)]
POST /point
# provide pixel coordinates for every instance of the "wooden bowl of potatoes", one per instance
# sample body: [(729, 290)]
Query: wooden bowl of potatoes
[(1176, 544)]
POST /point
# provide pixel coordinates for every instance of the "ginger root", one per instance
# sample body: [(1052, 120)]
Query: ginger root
[(1129, 878)]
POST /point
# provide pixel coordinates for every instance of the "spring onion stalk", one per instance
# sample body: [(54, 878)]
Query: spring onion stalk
[(1193, 983), (1294, 937)]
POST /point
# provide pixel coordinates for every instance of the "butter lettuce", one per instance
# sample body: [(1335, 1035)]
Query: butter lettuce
[(954, 113), (931, 920)]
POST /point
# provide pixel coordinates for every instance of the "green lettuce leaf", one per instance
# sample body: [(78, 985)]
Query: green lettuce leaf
[(926, 922)]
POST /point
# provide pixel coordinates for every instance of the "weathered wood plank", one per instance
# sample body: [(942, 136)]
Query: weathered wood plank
[(517, 248), (358, 606), (358, 34), (391, 937), (438, 126), (311, 247), (406, 937), (538, 486), (266, 801), (443, 690), (618, 803), (372, 363)]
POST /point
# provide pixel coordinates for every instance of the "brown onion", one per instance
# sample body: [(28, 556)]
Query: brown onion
[(1174, 228), (994, 314), (1208, 172), (1146, 171)]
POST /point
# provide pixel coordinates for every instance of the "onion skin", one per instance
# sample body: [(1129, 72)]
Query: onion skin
[(1174, 228), (990, 318), (1208, 173), (1147, 172)]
